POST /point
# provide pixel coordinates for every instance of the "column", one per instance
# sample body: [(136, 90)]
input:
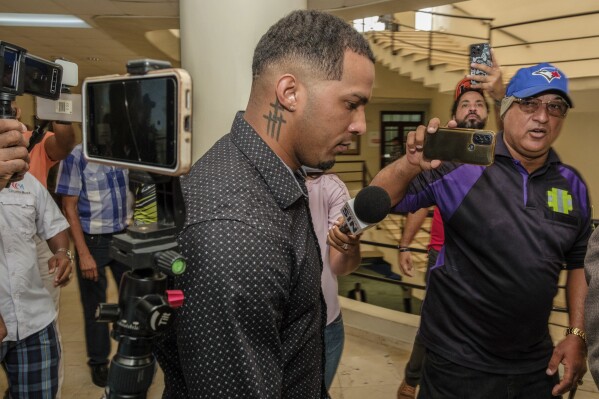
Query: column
[(218, 38)]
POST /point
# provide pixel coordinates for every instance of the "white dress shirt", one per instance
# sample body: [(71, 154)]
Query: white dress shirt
[(26, 209)]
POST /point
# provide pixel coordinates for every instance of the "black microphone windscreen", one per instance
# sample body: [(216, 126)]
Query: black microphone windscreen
[(372, 204)]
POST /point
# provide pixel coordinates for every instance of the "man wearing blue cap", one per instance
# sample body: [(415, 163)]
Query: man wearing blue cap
[(510, 229)]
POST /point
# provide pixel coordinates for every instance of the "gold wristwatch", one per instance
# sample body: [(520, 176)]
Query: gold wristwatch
[(67, 252), (576, 331)]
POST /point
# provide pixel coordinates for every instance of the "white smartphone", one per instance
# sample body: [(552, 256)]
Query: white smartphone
[(140, 122)]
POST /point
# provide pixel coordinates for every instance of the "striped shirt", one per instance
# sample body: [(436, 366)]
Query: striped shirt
[(102, 192), (145, 204)]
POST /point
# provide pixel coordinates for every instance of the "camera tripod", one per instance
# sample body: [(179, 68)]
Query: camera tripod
[(145, 305)]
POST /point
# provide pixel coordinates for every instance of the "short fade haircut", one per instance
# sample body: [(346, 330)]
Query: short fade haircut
[(312, 38)]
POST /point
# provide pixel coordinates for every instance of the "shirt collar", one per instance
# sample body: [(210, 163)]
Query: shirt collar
[(285, 185)]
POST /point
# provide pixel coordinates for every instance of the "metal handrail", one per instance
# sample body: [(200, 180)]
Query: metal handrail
[(535, 21), (548, 19), (365, 173), (558, 309), (487, 21), (391, 34), (431, 34)]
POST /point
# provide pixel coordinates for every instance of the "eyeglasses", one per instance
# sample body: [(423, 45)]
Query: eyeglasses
[(555, 108)]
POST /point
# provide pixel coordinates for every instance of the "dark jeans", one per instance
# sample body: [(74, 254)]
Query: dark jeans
[(444, 379), (414, 366), (92, 293)]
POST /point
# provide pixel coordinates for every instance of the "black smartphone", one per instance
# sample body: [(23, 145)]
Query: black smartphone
[(480, 53), (472, 146)]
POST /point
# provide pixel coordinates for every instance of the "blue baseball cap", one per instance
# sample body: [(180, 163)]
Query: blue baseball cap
[(537, 79)]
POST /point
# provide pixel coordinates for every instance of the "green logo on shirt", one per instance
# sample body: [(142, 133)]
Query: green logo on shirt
[(559, 200)]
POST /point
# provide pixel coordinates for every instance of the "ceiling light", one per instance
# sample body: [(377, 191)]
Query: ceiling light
[(42, 20)]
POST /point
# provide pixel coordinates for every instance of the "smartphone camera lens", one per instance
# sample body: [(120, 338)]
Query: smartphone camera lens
[(482, 139)]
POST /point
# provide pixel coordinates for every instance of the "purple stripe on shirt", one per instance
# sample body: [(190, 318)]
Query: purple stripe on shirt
[(578, 187), (447, 192)]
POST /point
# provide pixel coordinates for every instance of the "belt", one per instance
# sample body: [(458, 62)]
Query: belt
[(105, 235)]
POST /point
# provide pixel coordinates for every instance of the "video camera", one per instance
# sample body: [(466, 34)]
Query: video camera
[(25, 73), (142, 121)]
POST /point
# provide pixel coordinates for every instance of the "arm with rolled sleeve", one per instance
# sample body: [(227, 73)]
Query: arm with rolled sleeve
[(59, 145)]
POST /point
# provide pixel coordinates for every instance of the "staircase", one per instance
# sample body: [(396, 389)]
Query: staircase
[(407, 52)]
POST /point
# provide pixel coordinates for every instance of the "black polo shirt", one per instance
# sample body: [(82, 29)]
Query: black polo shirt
[(508, 234), (253, 318)]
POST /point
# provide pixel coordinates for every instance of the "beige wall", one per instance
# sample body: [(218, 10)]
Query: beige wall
[(578, 145)]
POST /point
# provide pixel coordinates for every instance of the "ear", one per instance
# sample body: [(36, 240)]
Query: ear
[(287, 86)]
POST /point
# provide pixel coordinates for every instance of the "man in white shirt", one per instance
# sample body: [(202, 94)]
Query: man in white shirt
[(30, 352)]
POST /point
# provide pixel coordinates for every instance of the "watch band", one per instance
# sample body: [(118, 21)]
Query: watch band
[(67, 252), (576, 331)]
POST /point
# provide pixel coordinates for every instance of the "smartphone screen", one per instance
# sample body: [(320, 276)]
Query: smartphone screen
[(140, 122), (133, 120)]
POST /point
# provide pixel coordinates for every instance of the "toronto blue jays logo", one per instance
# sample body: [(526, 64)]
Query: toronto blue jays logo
[(548, 73)]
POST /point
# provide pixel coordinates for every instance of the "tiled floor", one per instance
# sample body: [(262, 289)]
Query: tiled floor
[(367, 370)]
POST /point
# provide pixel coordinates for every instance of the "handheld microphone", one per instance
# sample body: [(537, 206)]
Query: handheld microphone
[(371, 205)]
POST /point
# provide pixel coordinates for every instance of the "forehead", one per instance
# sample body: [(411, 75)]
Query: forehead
[(472, 96), (358, 72)]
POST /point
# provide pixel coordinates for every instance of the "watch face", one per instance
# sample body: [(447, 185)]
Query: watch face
[(68, 253)]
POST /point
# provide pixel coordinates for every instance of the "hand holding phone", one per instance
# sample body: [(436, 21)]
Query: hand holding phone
[(480, 53), (471, 146)]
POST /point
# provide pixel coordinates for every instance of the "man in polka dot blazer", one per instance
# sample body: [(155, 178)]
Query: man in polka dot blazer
[(252, 324)]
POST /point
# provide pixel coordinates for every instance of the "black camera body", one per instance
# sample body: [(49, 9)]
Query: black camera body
[(25, 73)]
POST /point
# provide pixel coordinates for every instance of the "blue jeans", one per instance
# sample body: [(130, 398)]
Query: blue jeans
[(92, 293), (334, 337), (442, 378)]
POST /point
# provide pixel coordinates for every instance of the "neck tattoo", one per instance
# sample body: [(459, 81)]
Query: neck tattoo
[(275, 120)]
